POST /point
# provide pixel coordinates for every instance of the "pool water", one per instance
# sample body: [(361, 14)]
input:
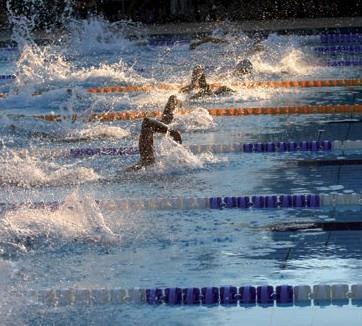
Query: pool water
[(81, 245)]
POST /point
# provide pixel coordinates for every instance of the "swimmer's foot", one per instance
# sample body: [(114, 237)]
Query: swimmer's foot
[(134, 168)]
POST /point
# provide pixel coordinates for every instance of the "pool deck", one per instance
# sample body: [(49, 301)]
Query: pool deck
[(293, 25)]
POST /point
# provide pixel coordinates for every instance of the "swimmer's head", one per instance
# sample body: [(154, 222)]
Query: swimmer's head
[(197, 72), (244, 67), (258, 47)]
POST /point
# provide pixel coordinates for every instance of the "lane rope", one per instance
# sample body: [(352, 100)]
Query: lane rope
[(346, 49), (341, 38), (259, 147), (273, 201), (231, 111), (247, 295), (7, 77), (255, 84)]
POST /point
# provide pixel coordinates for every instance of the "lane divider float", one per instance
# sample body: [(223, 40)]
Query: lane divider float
[(7, 77), (259, 147), (347, 49), (273, 201), (342, 63), (254, 84), (231, 111), (341, 38), (247, 295), (269, 147)]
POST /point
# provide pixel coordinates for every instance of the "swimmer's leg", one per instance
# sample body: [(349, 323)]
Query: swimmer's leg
[(172, 104)]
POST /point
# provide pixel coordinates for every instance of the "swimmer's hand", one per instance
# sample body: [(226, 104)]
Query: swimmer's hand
[(176, 136)]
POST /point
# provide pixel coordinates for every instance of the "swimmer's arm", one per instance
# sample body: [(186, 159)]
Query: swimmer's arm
[(207, 39)]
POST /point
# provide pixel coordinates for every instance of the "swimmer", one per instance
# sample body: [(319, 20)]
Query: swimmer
[(217, 37), (151, 126), (201, 87)]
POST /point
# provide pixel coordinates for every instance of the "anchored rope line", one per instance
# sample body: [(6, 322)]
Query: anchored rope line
[(248, 295), (349, 49), (218, 148), (198, 149), (343, 63), (7, 77), (299, 201), (270, 147), (237, 111), (255, 84), (341, 38)]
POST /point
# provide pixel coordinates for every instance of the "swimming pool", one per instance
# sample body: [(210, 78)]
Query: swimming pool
[(82, 245)]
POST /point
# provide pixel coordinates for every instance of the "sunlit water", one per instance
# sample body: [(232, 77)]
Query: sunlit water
[(81, 245)]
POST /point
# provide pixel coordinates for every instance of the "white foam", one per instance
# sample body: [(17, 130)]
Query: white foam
[(290, 61), (97, 36), (26, 171), (172, 157), (43, 69), (98, 131), (196, 119), (77, 219)]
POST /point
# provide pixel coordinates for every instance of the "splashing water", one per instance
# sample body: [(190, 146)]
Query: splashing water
[(172, 157), (196, 119), (43, 69), (77, 219), (292, 61), (96, 36), (96, 132), (282, 55), (26, 171)]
